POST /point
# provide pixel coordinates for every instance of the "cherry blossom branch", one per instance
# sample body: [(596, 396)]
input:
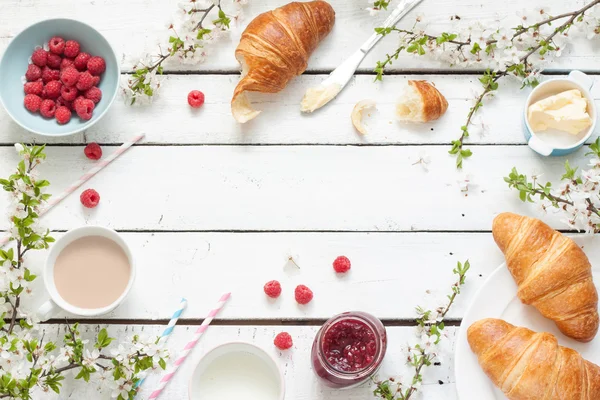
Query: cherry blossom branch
[(473, 49), (431, 326)]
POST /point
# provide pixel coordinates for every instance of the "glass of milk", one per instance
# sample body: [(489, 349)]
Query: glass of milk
[(234, 371), (553, 142)]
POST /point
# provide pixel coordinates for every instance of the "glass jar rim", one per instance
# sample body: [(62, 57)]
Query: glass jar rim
[(362, 317)]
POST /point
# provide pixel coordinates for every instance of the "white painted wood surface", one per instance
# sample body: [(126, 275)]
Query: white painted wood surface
[(137, 26), (208, 205), (297, 188), (170, 120)]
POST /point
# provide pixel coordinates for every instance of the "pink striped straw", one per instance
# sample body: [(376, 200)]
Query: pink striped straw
[(188, 347), (54, 200)]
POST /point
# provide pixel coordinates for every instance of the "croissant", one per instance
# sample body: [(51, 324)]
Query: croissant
[(421, 102), (527, 365), (553, 274), (275, 48)]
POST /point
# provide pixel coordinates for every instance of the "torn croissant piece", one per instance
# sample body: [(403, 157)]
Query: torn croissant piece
[(421, 102), (357, 114), (275, 48)]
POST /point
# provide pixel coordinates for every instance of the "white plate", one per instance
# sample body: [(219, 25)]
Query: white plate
[(497, 298)]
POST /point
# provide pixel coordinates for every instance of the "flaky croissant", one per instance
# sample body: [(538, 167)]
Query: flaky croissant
[(421, 102), (527, 365), (275, 48), (553, 274)]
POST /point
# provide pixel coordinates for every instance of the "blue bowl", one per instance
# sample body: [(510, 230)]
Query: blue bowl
[(14, 65)]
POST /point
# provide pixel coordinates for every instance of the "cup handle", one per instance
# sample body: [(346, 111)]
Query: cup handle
[(539, 146), (581, 78), (47, 310)]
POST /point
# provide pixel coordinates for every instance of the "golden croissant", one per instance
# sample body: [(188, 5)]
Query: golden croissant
[(527, 365), (275, 48), (553, 274)]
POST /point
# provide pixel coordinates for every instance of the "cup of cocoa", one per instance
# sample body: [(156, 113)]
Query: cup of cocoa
[(89, 272)]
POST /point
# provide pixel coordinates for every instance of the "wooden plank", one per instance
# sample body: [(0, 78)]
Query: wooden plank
[(391, 274), (300, 381), (297, 188), (171, 120), (134, 36)]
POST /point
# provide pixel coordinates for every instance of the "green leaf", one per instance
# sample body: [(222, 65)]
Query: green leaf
[(570, 172)]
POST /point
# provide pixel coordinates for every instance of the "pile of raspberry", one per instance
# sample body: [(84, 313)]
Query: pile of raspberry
[(62, 80)]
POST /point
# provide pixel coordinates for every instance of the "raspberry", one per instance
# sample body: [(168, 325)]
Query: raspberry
[(273, 289), (63, 115), (71, 49), (48, 108), (33, 88), (196, 98), (85, 81), (283, 341), (303, 294), (96, 80), (81, 61), (49, 74), (68, 93), (89, 198), (341, 264), (33, 102), (96, 65), (54, 61), (44, 94), (77, 101), (94, 94), (69, 76), (93, 151), (39, 57), (66, 63), (57, 45), (61, 102), (33, 73), (53, 89), (84, 109)]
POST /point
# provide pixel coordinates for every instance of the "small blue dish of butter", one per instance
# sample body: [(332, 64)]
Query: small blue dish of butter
[(560, 115)]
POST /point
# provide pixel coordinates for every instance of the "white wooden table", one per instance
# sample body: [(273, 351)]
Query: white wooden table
[(209, 205)]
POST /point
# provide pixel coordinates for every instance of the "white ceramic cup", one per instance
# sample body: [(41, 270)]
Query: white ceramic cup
[(231, 349), (56, 302)]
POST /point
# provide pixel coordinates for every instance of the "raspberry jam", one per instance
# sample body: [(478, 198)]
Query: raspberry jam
[(349, 349)]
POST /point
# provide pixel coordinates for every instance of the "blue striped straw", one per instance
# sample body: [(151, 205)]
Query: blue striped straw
[(167, 332)]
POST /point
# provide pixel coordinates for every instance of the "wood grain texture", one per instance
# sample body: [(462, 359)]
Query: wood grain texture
[(391, 273), (169, 120), (306, 188), (300, 382), (132, 32)]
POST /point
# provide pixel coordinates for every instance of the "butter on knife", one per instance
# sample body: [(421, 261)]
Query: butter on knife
[(565, 111)]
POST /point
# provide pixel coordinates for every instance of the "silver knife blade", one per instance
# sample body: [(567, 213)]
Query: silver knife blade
[(317, 97)]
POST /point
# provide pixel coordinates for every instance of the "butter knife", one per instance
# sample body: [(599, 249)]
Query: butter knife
[(317, 97)]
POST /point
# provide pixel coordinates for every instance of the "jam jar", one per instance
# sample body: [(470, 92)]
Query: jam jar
[(349, 349)]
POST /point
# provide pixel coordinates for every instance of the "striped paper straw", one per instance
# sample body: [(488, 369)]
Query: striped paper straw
[(188, 347), (168, 330), (86, 177)]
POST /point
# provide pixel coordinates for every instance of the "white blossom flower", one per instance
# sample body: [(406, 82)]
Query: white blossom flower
[(19, 148), (504, 38), (513, 55), (89, 358), (542, 11), (122, 390), (423, 160), (372, 11)]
